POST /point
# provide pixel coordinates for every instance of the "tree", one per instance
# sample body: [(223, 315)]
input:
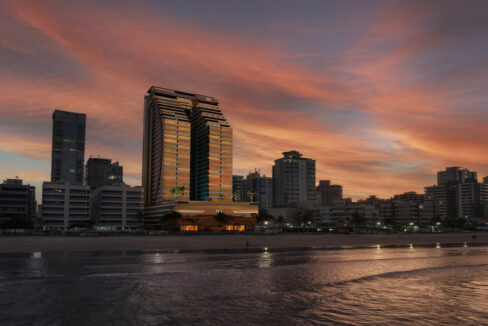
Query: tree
[(303, 218), (236, 197), (436, 219), (358, 219), (298, 219), (18, 222), (281, 221), (174, 192), (388, 221), (177, 192), (251, 194), (263, 216), (223, 218), (170, 219), (455, 223), (140, 217), (182, 191)]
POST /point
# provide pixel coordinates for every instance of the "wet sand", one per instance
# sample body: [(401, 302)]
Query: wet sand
[(228, 241)]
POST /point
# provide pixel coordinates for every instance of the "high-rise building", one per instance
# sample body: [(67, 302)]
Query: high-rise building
[(16, 200), (65, 206), (485, 180), (293, 179), (238, 187), (187, 148), (211, 151), (455, 174), (167, 140), (457, 194), (327, 193), (188, 155), (68, 147), (261, 187), (102, 172)]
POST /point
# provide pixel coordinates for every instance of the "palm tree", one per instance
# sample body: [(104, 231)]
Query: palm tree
[(236, 197), (358, 219), (281, 221), (174, 192), (263, 216), (170, 219), (182, 190), (140, 217), (251, 194), (223, 218)]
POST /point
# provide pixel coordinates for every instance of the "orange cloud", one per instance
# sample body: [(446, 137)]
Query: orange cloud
[(367, 121)]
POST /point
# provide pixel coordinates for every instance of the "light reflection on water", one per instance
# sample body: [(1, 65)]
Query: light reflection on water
[(378, 286)]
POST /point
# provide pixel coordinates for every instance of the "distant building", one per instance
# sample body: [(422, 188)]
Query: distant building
[(261, 186), (485, 180), (293, 179), (68, 147), (117, 207), (472, 199), (327, 193), (444, 200), (458, 194), (372, 200), (342, 212), (456, 175), (16, 200), (65, 206), (102, 172), (410, 196), (238, 187), (406, 213)]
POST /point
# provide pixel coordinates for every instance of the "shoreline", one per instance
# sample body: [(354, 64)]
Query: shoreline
[(184, 242)]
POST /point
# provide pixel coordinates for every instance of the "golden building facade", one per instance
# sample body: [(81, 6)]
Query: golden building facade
[(166, 153), (187, 148), (211, 154)]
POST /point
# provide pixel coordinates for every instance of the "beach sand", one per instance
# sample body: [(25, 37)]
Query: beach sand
[(228, 241)]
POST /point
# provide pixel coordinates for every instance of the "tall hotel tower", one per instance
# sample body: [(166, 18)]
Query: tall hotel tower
[(187, 143)]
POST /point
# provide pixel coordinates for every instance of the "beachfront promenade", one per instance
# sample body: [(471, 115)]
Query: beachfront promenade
[(228, 241)]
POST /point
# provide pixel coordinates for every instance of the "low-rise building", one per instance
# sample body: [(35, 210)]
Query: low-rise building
[(17, 200), (199, 215), (65, 206), (407, 213), (342, 212), (326, 193), (118, 207)]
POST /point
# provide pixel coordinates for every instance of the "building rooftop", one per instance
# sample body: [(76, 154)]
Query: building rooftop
[(166, 92), (292, 154)]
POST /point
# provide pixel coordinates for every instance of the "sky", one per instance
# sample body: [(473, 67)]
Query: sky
[(382, 94)]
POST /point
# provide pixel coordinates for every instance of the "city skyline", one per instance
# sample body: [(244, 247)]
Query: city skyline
[(378, 104)]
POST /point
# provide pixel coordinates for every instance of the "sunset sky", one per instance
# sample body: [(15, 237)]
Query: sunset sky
[(381, 94)]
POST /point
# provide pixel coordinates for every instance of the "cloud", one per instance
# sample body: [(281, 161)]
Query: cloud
[(393, 93)]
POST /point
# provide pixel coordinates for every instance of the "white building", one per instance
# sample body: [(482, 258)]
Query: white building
[(117, 207), (65, 206), (342, 211)]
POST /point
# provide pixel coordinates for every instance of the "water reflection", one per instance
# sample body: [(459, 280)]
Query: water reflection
[(265, 260), (364, 286)]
